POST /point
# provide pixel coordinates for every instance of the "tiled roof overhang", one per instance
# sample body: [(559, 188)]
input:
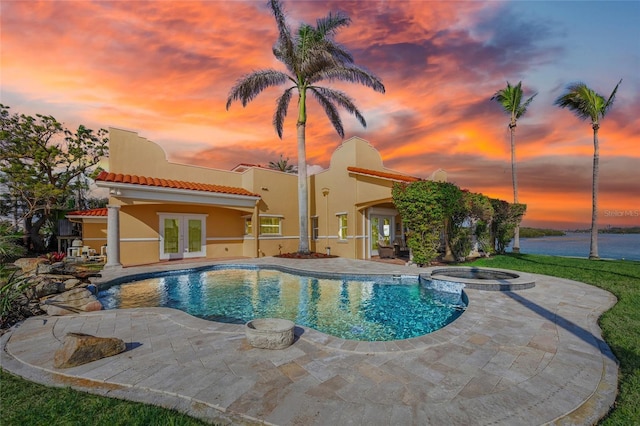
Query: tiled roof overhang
[(169, 190), (383, 175), (79, 214)]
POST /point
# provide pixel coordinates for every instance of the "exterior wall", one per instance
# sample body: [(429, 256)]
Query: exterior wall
[(350, 194), (332, 192), (94, 234), (140, 231), (132, 154)]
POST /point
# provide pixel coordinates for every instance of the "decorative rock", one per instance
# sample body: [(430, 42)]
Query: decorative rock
[(47, 287), (71, 283), (80, 348), (44, 268), (71, 302), (270, 333), (29, 264)]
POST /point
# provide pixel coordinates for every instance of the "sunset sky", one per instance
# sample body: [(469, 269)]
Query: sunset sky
[(164, 69)]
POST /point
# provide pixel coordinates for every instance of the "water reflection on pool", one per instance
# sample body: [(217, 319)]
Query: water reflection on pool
[(368, 310)]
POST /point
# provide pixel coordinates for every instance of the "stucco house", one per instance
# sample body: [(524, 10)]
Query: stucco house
[(159, 210)]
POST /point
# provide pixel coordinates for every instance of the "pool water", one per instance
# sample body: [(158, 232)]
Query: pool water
[(365, 310)]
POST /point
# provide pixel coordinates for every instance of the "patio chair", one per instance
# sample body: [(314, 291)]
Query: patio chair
[(385, 250)]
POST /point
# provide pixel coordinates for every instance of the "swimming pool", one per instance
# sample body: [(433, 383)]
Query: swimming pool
[(355, 308)]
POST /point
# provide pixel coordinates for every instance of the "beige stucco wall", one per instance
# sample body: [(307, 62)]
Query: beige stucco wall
[(94, 233), (348, 193), (140, 231), (351, 194), (132, 154)]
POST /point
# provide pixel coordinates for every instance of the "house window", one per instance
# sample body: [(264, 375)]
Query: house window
[(342, 226), (248, 228), (271, 225), (314, 227)]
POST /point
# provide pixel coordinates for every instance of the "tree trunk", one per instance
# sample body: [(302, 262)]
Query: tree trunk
[(514, 178), (35, 242), (448, 253), (593, 250), (303, 190)]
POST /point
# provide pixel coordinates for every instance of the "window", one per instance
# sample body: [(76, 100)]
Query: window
[(271, 225), (248, 228), (342, 226), (314, 227)]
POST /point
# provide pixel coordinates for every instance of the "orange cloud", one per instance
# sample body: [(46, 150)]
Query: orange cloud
[(164, 69)]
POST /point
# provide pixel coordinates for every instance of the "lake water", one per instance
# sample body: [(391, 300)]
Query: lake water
[(574, 244)]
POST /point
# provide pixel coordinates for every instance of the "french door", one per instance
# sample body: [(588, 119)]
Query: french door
[(182, 236), (381, 230)]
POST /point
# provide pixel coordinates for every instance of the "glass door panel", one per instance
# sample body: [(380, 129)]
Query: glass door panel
[(171, 236), (381, 229), (375, 235), (182, 236), (195, 235)]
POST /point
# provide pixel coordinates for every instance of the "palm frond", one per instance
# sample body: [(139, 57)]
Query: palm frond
[(581, 100), (330, 24), (251, 85), (281, 110), (350, 73), (612, 98), (329, 109), (510, 98), (284, 33), (341, 99)]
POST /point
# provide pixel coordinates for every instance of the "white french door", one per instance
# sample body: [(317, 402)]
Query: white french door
[(381, 230), (182, 236)]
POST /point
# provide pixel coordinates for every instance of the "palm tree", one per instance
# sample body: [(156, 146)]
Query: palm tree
[(587, 104), (310, 56), (510, 98), (282, 165)]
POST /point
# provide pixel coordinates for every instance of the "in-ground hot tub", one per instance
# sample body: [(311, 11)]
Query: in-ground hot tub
[(482, 278)]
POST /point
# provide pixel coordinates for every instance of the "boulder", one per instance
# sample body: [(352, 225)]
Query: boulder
[(71, 283), (29, 264), (46, 287), (71, 302), (80, 348)]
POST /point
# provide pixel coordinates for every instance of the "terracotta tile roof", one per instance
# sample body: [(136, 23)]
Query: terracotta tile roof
[(385, 175), (170, 183), (102, 212)]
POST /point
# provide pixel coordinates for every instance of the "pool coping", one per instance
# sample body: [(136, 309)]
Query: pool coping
[(548, 396)]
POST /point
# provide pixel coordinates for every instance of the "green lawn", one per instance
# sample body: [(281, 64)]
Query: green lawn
[(620, 325), (25, 403)]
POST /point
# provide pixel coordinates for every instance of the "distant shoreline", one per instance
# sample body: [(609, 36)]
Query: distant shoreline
[(527, 232)]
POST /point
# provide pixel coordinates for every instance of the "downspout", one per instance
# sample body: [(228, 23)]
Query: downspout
[(255, 220)]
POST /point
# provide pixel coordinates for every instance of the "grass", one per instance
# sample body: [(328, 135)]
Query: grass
[(26, 403), (620, 325), (23, 402)]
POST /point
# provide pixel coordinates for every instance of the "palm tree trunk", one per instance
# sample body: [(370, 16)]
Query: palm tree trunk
[(593, 250), (514, 178), (303, 190)]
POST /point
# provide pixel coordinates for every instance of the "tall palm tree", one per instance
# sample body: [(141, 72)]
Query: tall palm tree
[(585, 103), (310, 56), (510, 98), (282, 165)]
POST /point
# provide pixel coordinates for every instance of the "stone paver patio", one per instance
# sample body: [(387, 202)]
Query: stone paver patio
[(529, 357)]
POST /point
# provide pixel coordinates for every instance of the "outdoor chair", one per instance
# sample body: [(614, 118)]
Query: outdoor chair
[(385, 250)]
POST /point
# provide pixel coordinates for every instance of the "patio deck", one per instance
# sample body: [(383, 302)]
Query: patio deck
[(529, 357)]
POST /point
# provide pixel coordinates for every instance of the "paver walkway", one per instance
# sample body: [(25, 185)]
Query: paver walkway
[(529, 357)]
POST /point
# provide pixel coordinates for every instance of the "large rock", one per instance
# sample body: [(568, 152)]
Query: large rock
[(71, 283), (71, 302), (29, 264), (79, 348), (46, 286)]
